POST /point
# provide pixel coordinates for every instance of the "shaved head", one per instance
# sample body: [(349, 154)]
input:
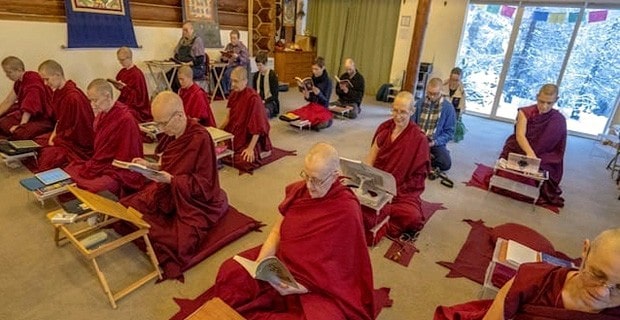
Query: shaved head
[(608, 241), (124, 52), (241, 73), (324, 155), (167, 109), (349, 63), (405, 98), (51, 67), (435, 82), (549, 89), (13, 63), (100, 86), (186, 71), (321, 169)]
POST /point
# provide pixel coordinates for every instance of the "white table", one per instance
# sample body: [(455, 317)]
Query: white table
[(518, 187), (217, 69), (219, 135), (14, 161), (158, 69)]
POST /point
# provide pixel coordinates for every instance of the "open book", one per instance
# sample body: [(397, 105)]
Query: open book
[(227, 54), (272, 270), (344, 81), (117, 84), (305, 83), (373, 187), (135, 167)]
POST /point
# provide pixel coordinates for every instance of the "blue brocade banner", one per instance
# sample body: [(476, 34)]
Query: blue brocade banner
[(99, 24)]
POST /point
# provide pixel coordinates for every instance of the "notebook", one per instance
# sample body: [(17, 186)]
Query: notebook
[(52, 176), (523, 163)]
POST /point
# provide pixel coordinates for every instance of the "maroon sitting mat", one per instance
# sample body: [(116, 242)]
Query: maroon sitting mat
[(402, 252), (381, 297), (232, 226), (276, 154), (476, 254), (481, 177)]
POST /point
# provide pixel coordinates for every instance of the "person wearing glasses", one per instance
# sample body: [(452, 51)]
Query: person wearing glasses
[(436, 117), (551, 292), (195, 100), (117, 137), (184, 198), (400, 148), (319, 238), (73, 133), (248, 122), (540, 132), (131, 83)]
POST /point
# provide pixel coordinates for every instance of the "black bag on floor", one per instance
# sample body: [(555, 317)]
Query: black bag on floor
[(384, 91)]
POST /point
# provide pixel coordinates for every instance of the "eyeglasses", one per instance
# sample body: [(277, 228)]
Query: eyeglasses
[(433, 94), (316, 182), (162, 125), (614, 289)]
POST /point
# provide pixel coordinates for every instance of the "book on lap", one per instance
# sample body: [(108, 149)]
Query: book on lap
[(305, 83), (272, 270), (135, 167), (346, 82)]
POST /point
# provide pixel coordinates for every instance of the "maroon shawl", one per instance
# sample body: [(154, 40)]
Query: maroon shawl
[(117, 136), (314, 112), (247, 117), (322, 243), (182, 212), (534, 294), (196, 105), (135, 94), (546, 134)]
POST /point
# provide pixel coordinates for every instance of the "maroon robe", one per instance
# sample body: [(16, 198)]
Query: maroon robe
[(182, 212), (117, 137), (196, 104), (407, 158), (247, 117), (74, 129), (33, 96), (546, 134), (315, 113), (135, 94), (322, 243), (535, 294)]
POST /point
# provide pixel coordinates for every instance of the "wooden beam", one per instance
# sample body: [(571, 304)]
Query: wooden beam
[(417, 41)]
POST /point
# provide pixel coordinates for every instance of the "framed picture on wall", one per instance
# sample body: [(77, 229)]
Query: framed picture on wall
[(200, 10), (289, 14), (108, 7), (405, 21)]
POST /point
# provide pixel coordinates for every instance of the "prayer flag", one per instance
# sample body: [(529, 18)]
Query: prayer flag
[(596, 16), (573, 16), (493, 8), (557, 17), (540, 16), (508, 11), (95, 24)]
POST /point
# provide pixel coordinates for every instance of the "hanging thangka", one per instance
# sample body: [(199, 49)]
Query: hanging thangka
[(99, 24), (203, 16)]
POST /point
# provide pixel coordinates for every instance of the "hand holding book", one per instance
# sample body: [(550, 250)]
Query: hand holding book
[(344, 82), (305, 84)]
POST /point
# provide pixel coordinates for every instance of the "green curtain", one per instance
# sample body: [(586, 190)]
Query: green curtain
[(364, 30)]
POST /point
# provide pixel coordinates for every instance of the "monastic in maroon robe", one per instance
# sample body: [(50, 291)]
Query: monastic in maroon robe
[(74, 129), (407, 159), (535, 294), (180, 213), (322, 243), (315, 113), (197, 106), (33, 96), (135, 94), (247, 117), (546, 134), (117, 137)]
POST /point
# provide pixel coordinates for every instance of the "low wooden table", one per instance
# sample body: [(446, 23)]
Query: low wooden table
[(14, 161), (111, 212), (215, 309)]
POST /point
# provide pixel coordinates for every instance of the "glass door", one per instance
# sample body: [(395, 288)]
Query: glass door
[(485, 41), (539, 53), (591, 83)]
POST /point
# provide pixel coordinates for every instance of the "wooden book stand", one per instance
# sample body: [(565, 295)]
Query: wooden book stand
[(105, 212)]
